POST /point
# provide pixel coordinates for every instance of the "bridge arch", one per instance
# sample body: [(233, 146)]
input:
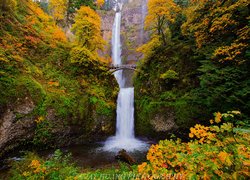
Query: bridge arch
[(114, 68)]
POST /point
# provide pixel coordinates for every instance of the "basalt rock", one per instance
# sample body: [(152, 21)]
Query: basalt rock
[(125, 157), (18, 126)]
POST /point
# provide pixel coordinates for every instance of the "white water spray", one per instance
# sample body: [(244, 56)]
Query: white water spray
[(124, 138)]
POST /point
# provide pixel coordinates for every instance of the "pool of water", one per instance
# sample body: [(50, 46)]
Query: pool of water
[(93, 156), (88, 156)]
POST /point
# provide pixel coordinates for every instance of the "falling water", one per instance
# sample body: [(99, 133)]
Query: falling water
[(124, 137)]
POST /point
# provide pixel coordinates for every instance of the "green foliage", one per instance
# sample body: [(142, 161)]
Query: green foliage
[(43, 132), (217, 152), (124, 172), (163, 81), (169, 74), (56, 167), (223, 87), (7, 7), (82, 56), (202, 68), (59, 166)]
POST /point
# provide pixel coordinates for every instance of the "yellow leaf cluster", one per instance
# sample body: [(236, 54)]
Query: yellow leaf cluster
[(58, 8), (218, 117), (166, 9), (37, 167), (87, 28), (200, 159), (100, 3), (59, 35), (161, 13), (201, 132), (44, 24), (219, 21), (148, 48), (39, 120), (224, 157), (141, 167)]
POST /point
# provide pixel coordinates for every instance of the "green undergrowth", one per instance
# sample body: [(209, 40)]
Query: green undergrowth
[(163, 81), (61, 166)]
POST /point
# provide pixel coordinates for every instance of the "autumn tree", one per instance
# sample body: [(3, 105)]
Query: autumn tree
[(64, 10), (221, 32), (222, 24), (74, 5), (88, 39), (58, 9), (87, 28), (161, 13)]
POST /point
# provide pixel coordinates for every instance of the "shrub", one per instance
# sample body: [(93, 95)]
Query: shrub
[(218, 151), (33, 167)]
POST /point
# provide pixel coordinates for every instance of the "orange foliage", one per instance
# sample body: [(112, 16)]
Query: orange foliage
[(52, 83), (160, 14), (59, 35), (100, 3), (221, 19), (226, 156)]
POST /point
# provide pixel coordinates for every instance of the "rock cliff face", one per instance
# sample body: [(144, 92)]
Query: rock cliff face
[(132, 29), (15, 124), (132, 32), (18, 127)]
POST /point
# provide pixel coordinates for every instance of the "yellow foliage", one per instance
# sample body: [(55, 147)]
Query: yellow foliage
[(58, 9), (100, 3), (203, 133), (59, 35), (47, 29), (87, 28), (148, 48), (218, 117), (141, 167), (201, 158), (224, 157), (165, 9), (160, 14), (25, 174), (39, 119), (37, 167), (217, 22), (35, 164)]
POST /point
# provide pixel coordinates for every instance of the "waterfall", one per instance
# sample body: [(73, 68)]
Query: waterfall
[(124, 137)]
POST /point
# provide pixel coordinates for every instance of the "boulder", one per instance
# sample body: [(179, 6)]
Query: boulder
[(125, 157)]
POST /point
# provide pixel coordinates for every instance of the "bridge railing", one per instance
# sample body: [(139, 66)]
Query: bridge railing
[(122, 66)]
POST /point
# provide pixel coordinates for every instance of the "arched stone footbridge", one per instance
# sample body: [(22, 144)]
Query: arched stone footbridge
[(117, 67)]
